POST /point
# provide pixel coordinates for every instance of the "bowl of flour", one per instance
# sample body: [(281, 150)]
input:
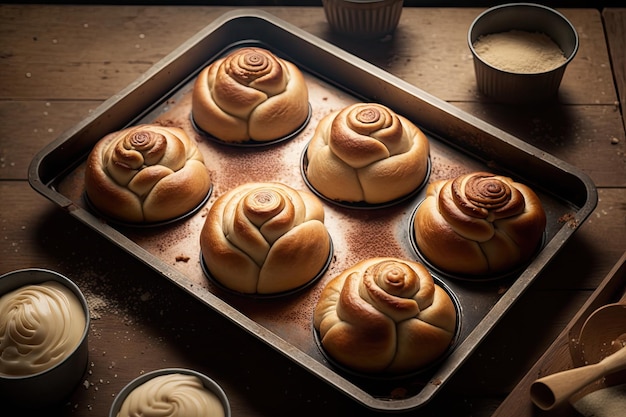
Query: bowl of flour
[(521, 51)]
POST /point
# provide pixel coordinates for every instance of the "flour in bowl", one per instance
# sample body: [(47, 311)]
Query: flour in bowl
[(520, 51)]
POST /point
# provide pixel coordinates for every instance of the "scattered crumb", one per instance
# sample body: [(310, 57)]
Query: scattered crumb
[(182, 258), (398, 393), (96, 305), (568, 218)]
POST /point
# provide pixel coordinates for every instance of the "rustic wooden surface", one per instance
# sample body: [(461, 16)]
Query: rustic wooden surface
[(615, 24), (558, 357), (58, 63)]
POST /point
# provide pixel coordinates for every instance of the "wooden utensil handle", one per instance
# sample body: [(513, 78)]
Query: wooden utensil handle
[(551, 391)]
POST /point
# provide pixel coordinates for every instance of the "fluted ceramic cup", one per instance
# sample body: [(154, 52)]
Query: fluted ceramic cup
[(171, 395), (365, 19)]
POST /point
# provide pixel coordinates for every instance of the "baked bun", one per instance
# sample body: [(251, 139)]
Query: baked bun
[(146, 173), (479, 224), (385, 316), (366, 153), (265, 238), (250, 94)]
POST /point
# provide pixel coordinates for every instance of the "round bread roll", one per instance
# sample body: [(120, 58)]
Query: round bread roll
[(265, 238), (146, 173), (366, 153), (479, 224), (250, 94), (385, 316)]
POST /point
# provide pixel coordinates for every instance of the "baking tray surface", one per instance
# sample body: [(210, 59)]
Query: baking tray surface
[(459, 143)]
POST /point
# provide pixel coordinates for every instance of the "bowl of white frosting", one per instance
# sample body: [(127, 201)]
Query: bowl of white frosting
[(44, 322), (521, 51), (172, 392)]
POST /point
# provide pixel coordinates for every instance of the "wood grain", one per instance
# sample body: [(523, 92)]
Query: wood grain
[(615, 24), (557, 357)]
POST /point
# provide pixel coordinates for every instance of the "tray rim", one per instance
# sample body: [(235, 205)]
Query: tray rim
[(36, 178)]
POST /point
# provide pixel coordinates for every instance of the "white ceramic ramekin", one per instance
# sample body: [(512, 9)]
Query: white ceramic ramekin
[(365, 19)]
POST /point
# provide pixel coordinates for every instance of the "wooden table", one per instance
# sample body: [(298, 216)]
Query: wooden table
[(58, 63)]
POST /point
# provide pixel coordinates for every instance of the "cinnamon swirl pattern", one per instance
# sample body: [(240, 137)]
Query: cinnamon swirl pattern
[(366, 153), (146, 173), (172, 395), (250, 95), (40, 326), (265, 238), (479, 224), (385, 316)]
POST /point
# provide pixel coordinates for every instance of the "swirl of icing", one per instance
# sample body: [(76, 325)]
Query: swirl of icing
[(366, 153), (479, 223), (250, 94), (146, 173), (385, 315), (265, 238), (172, 395), (40, 325)]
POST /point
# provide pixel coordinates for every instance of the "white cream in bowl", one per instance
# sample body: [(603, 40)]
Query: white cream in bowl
[(40, 325), (174, 394)]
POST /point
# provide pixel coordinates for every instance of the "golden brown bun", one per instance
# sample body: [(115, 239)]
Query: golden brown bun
[(265, 238), (250, 94), (146, 173), (479, 224), (367, 153), (385, 315)]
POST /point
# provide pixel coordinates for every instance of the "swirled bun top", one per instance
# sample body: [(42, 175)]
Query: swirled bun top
[(40, 326), (250, 94), (367, 153), (265, 238), (385, 316), (146, 173), (479, 224), (171, 395)]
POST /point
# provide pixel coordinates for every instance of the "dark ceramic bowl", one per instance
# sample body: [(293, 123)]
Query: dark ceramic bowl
[(207, 382), (55, 384)]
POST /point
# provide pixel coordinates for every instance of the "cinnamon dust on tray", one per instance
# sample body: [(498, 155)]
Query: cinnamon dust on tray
[(520, 51)]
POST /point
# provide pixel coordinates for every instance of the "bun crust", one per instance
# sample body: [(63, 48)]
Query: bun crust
[(265, 238), (367, 153), (479, 224), (146, 173), (250, 94), (385, 315)]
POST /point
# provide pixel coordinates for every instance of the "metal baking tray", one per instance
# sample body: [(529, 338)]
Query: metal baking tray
[(459, 143)]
